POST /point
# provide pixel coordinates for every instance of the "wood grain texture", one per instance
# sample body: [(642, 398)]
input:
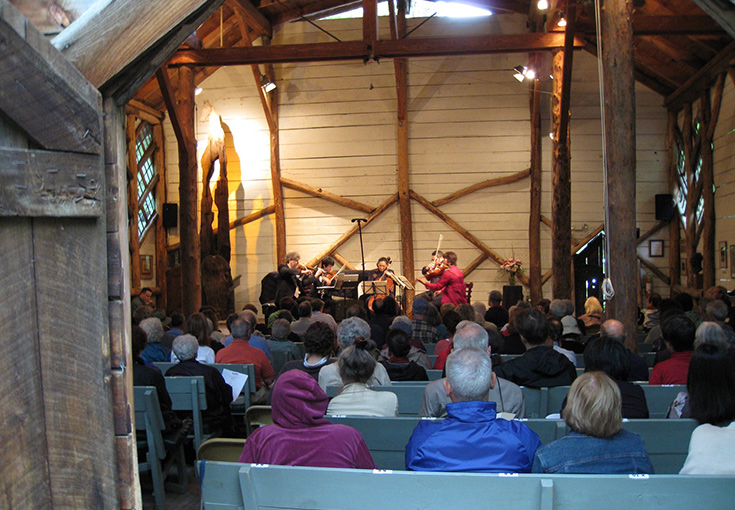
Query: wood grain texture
[(44, 183), (489, 183), (161, 233), (71, 287), (534, 217), (326, 195), (115, 167), (24, 472), (113, 29), (44, 94)]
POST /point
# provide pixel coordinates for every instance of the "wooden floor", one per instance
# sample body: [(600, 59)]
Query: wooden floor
[(174, 501)]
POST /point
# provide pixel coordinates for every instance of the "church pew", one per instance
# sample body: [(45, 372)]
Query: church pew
[(231, 486), (410, 396), (659, 398), (188, 394)]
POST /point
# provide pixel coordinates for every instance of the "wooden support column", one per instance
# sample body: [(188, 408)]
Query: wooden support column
[(561, 201), (404, 198), (161, 235), (534, 220), (276, 180), (619, 91), (674, 228), (370, 20), (133, 202)]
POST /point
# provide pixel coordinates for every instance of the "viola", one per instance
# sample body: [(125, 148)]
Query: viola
[(435, 270)]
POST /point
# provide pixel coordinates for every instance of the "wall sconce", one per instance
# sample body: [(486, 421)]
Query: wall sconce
[(266, 84)]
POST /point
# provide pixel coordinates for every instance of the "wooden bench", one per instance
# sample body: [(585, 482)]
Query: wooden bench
[(231, 486), (189, 394), (410, 396), (149, 421)]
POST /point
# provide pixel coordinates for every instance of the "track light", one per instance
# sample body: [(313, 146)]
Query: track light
[(542, 5), (524, 73), (562, 22), (266, 84)]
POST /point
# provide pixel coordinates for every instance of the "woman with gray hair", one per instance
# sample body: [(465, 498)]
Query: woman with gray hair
[(154, 349), (597, 444), (356, 367), (707, 333), (279, 341), (348, 332)]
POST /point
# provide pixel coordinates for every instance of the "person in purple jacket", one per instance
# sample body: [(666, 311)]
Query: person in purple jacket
[(300, 435)]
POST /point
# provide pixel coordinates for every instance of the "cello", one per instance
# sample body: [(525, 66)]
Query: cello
[(387, 277)]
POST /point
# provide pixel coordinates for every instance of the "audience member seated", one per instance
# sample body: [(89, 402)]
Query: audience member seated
[(710, 332), (555, 333), (417, 353), (597, 443), (540, 365), (496, 312), (279, 340), (140, 313), (256, 339), (150, 376), (196, 325), (300, 435), (356, 367), (398, 366), (444, 347), (319, 343), (592, 317), (240, 351), (422, 330), (679, 332), (651, 314), (216, 337), (685, 301), (571, 336), (318, 315), (604, 354), (177, 324), (287, 303), (666, 308), (154, 350), (512, 343), (384, 311), (145, 298), (471, 438), (615, 330), (348, 332), (543, 306), (507, 396), (218, 392), (300, 326), (711, 386)]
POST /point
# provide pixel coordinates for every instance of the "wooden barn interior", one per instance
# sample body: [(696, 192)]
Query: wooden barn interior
[(143, 147)]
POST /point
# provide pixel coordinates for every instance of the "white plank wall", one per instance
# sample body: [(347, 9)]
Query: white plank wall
[(724, 164), (469, 121)]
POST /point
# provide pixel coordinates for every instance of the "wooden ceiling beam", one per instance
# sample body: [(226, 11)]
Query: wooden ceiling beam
[(317, 9), (352, 50), (253, 17), (694, 86), (721, 12), (644, 24)]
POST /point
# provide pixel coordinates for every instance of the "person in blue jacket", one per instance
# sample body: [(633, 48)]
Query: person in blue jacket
[(472, 438)]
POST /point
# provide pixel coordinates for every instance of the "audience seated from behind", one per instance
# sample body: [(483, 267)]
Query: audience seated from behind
[(398, 366), (417, 352), (496, 312), (592, 317), (507, 396), (349, 331), (356, 367), (615, 330), (444, 347), (666, 308), (423, 332), (319, 343), (154, 349), (150, 376), (218, 392), (711, 387), (384, 311), (240, 351), (215, 335), (318, 315), (555, 333), (279, 340), (709, 332), (471, 438), (597, 443), (603, 354), (177, 324), (300, 326), (300, 435), (540, 365), (678, 333), (197, 326), (651, 313), (512, 343)]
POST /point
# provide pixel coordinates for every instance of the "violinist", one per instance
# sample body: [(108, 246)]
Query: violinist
[(323, 277), (433, 272), (451, 283), (291, 277)]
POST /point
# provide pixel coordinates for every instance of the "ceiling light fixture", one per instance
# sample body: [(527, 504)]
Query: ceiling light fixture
[(266, 84), (523, 73), (542, 5), (198, 91), (562, 22)]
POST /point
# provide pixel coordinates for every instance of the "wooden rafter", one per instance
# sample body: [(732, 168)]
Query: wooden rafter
[(489, 183), (359, 50), (326, 195), (658, 226), (693, 87), (253, 17)]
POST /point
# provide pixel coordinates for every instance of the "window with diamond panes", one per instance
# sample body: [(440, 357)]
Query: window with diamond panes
[(145, 149)]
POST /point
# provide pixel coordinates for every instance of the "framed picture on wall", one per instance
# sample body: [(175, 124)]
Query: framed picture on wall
[(723, 254), (656, 248), (146, 266)]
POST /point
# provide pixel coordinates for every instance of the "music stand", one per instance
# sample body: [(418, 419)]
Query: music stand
[(374, 287), (403, 282)]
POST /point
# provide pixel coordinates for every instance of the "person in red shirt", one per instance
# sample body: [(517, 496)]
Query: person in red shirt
[(678, 333), (451, 284), (240, 351)]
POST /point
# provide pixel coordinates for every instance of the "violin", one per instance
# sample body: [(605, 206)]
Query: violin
[(436, 268), (305, 269), (325, 277)]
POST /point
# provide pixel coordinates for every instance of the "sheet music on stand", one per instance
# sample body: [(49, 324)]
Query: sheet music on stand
[(374, 287), (403, 282)]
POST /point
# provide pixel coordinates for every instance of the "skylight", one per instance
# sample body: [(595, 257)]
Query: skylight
[(424, 9)]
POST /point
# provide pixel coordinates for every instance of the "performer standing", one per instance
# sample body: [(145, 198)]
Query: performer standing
[(451, 284), (289, 277)]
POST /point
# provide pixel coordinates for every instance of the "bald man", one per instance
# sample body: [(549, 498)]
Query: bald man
[(638, 367)]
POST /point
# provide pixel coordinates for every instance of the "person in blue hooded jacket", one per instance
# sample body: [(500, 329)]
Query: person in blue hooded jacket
[(472, 438)]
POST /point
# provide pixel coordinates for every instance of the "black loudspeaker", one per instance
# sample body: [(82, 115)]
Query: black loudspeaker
[(664, 207), (171, 215)]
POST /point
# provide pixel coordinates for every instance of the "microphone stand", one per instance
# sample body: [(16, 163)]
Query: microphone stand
[(362, 249)]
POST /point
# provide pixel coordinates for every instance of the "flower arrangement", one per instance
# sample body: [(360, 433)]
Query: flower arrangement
[(513, 267)]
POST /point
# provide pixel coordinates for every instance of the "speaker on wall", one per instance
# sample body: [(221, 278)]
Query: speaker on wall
[(170, 215), (664, 207)]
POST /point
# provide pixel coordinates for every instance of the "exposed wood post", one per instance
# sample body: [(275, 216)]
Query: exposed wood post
[(404, 199), (276, 181), (191, 287), (133, 202), (161, 235), (619, 91), (561, 201), (370, 20), (534, 219), (674, 224)]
